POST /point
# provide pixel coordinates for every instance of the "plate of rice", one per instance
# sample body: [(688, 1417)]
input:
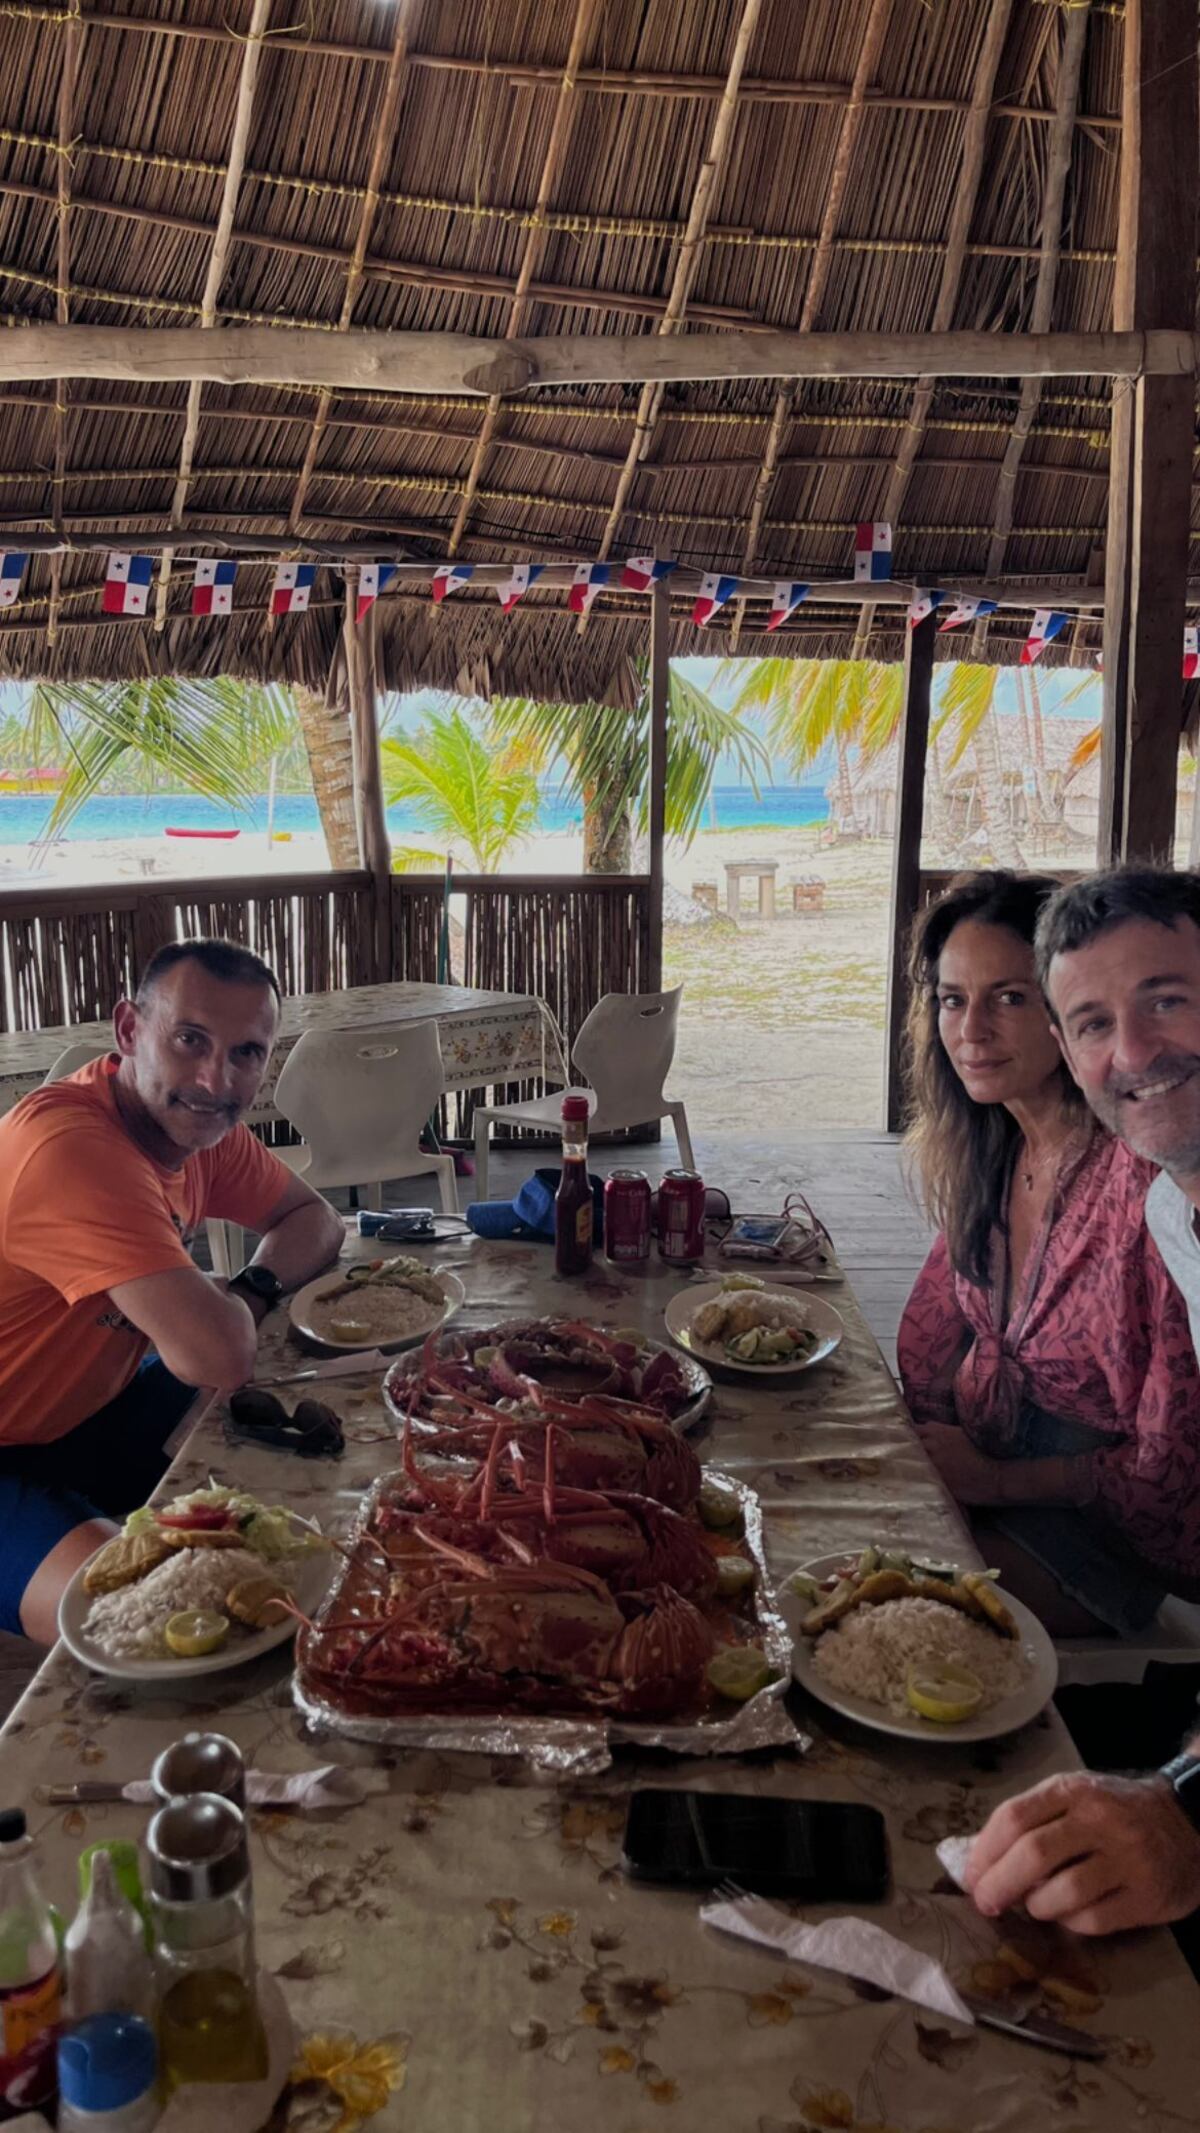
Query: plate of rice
[(222, 1569), (745, 1326), (863, 1663), (383, 1303)]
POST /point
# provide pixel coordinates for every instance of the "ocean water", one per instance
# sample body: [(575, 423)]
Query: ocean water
[(23, 816)]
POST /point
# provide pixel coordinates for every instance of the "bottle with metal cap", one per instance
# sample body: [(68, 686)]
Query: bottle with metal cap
[(209, 2025), (200, 1762)]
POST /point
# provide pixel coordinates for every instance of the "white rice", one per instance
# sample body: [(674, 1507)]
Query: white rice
[(129, 1623), (373, 1311), (869, 1652)]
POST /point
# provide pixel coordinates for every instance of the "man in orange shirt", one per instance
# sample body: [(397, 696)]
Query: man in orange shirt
[(104, 1179)]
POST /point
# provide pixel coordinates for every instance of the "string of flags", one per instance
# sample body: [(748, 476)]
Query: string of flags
[(128, 578)]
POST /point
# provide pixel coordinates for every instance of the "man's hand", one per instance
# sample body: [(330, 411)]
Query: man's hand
[(1098, 1854), (968, 1473)]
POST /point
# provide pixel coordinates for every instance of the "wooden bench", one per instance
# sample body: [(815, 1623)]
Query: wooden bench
[(762, 871), (808, 895)]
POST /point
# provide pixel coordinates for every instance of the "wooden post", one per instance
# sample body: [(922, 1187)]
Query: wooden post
[(660, 689), (373, 841), (1153, 438), (906, 852)]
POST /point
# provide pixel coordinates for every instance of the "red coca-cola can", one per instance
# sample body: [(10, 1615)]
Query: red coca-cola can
[(627, 1215), (681, 1217)]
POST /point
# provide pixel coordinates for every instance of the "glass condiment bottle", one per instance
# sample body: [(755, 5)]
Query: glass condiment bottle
[(200, 1762), (108, 1967), (30, 1975), (209, 2026), (573, 1212)]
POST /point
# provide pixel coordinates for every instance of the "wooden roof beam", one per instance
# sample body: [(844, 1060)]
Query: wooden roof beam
[(818, 274), (560, 132), (381, 148), (62, 300), (1054, 193), (966, 199), (687, 260), (218, 259)]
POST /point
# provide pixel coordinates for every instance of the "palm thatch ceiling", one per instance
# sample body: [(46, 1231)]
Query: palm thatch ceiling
[(548, 166)]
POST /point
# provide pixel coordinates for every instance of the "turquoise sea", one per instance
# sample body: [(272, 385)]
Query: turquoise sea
[(23, 817)]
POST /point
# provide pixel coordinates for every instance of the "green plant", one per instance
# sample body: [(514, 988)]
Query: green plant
[(463, 791)]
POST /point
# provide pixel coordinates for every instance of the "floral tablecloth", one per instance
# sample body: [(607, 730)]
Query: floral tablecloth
[(462, 1950), (487, 1037)]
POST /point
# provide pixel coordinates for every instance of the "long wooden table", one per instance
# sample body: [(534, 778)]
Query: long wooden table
[(487, 1037), (467, 1934)]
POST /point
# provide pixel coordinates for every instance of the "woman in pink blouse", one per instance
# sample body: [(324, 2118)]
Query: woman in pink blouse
[(1045, 1352)]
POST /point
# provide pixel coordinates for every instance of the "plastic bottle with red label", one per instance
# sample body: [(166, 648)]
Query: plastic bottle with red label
[(30, 1977)]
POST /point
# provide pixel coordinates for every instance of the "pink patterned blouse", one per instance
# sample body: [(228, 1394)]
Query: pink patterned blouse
[(1098, 1335)]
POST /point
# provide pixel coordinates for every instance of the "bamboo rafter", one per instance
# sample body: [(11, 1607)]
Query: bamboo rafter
[(62, 303)]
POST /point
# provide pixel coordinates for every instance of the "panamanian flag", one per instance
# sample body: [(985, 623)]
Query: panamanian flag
[(373, 579), (1045, 626), (448, 577), (643, 571), (212, 587), (515, 586), (293, 584), (585, 584), (714, 592), (127, 585), (966, 611), (1191, 653), (12, 570), (785, 598), (872, 551), (922, 604)]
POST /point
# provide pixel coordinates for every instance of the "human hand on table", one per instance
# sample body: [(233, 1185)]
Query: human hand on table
[(1097, 1854), (968, 1473)]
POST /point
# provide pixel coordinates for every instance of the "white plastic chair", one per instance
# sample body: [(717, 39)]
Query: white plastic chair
[(74, 1057), (625, 1049), (361, 1097)]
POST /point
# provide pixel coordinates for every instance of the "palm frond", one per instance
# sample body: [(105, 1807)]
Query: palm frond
[(966, 700)]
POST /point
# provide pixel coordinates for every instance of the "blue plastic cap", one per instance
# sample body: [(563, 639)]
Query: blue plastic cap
[(106, 2061), (531, 1214)]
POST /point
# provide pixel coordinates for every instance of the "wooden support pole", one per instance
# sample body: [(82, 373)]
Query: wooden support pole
[(358, 649), (906, 853), (1153, 438), (660, 696)]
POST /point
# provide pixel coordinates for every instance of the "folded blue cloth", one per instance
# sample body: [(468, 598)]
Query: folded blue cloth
[(531, 1214)]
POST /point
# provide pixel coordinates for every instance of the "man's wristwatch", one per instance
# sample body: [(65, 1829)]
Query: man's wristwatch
[(1183, 1776), (259, 1284)]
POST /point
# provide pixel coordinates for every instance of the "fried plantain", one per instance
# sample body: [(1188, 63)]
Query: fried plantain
[(989, 1603), (257, 1601), (125, 1559)]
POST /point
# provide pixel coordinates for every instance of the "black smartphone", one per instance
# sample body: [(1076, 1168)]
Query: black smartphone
[(814, 1851)]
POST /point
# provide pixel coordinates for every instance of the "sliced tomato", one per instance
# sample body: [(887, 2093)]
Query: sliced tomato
[(206, 1517)]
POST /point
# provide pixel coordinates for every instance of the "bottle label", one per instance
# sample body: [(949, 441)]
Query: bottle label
[(26, 2011), (583, 1223)]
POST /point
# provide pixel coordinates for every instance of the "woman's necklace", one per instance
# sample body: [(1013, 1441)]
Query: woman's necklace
[(1033, 1168)]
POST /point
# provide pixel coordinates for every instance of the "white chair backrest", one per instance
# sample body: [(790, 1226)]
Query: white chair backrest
[(626, 1046), (358, 1094), (74, 1057)]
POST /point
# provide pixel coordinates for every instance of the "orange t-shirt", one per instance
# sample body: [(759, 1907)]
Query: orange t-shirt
[(82, 1209)]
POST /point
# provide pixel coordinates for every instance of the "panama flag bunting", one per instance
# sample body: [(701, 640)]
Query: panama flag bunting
[(448, 577), (1045, 626), (212, 587), (714, 592), (585, 584), (127, 585), (922, 604), (515, 586), (872, 551), (966, 611), (1191, 653), (293, 584), (373, 579), (785, 598), (643, 571), (12, 570)]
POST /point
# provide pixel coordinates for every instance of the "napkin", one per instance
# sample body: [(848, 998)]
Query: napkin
[(852, 1946), (952, 1856), (310, 1790)]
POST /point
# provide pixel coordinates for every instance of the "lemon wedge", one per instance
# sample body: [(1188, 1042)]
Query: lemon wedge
[(734, 1575), (195, 1633), (718, 1504), (947, 1694), (739, 1671)]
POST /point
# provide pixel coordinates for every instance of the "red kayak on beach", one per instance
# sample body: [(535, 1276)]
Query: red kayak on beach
[(202, 833)]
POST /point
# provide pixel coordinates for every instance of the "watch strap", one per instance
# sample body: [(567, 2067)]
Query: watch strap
[(1182, 1774)]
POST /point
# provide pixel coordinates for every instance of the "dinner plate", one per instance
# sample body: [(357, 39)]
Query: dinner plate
[(300, 1313), (1004, 1717), (822, 1320), (308, 1578), (694, 1374)]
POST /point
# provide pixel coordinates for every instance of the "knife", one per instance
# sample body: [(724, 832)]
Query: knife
[(338, 1366), (1037, 2029)]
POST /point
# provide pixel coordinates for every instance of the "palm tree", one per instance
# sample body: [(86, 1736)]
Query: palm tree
[(463, 790), (811, 703), (967, 703), (330, 752), (606, 753)]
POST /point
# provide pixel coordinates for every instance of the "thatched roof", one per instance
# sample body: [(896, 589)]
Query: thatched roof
[(111, 196)]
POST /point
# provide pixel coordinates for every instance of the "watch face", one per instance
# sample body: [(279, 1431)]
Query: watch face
[(261, 1282)]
